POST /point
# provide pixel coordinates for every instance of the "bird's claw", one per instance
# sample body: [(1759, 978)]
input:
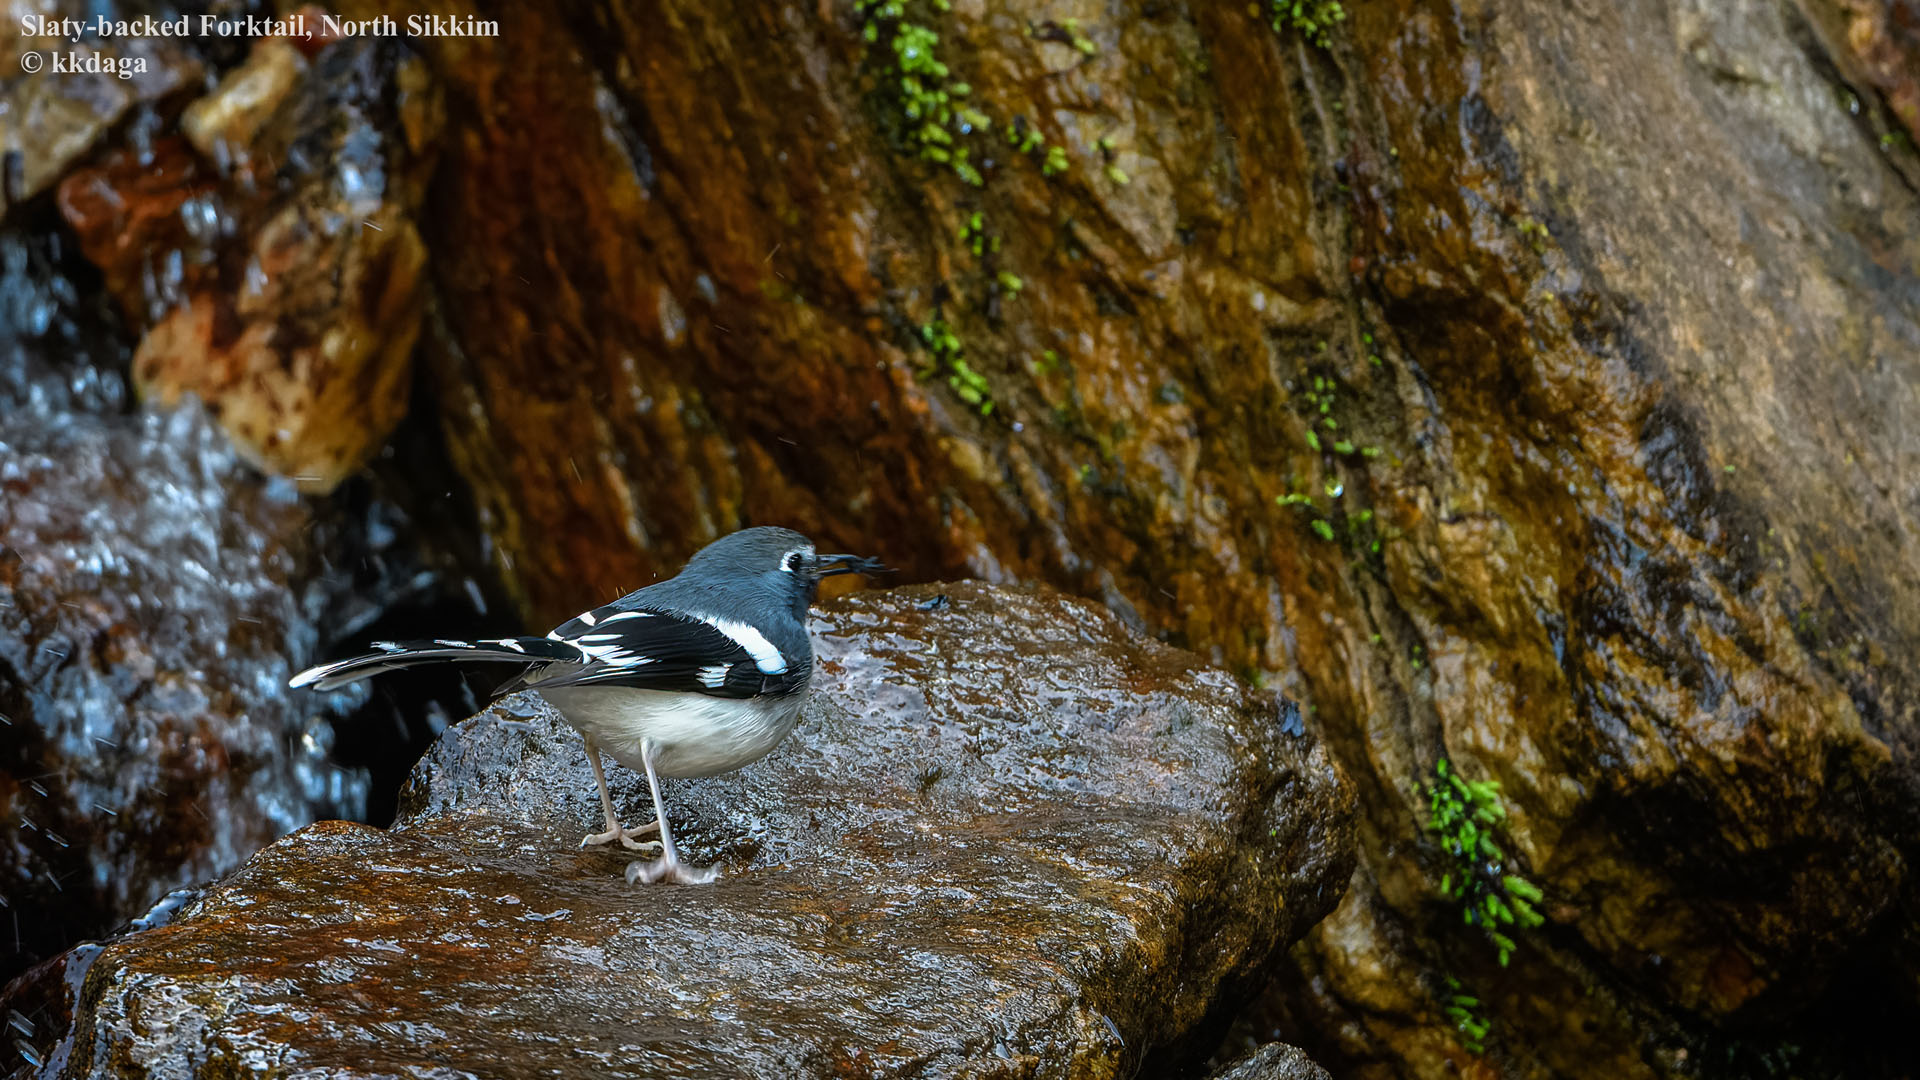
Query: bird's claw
[(625, 836)]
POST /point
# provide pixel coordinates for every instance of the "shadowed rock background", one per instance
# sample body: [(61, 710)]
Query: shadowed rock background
[(1524, 384)]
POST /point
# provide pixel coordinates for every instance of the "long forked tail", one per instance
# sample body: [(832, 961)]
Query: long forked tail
[(399, 654)]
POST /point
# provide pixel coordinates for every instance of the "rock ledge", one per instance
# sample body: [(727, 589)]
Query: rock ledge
[(1008, 839)]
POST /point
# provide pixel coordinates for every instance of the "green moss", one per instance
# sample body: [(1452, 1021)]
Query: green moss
[(941, 341), (933, 118), (1464, 814), (1534, 233), (1080, 41), (1311, 19), (949, 359), (976, 238), (927, 114), (1321, 527), (1464, 1010)]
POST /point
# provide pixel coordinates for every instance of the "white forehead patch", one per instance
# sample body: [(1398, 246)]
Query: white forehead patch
[(765, 656)]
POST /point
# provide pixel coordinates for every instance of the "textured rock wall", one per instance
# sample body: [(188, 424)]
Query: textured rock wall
[(1525, 383), (1612, 308)]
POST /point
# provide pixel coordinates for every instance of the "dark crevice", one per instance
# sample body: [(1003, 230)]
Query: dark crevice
[(422, 573)]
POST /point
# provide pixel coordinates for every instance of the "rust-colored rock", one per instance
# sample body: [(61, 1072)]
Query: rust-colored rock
[(1008, 839), (1526, 383), (273, 253), (1884, 37), (49, 121), (1531, 377)]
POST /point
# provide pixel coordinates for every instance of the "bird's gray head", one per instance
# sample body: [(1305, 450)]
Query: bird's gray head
[(779, 564)]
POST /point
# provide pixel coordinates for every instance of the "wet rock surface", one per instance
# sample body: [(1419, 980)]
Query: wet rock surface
[(1007, 839), (49, 123), (1529, 377), (155, 588), (1274, 1061), (153, 592), (1522, 383)]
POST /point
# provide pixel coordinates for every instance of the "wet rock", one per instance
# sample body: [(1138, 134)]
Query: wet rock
[(1878, 47), (1527, 383), (272, 252), (1007, 839), (1274, 1061), (50, 121), (154, 592)]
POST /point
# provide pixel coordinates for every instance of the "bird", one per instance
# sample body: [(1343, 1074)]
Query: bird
[(697, 675)]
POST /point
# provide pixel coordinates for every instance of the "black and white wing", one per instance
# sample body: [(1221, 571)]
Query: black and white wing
[(659, 650)]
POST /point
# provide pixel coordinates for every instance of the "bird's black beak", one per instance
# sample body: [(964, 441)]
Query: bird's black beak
[(828, 565)]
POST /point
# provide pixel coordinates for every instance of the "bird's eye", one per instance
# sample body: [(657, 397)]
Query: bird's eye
[(791, 560)]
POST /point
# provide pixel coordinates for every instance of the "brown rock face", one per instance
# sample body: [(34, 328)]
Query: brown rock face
[(1528, 380), (50, 122), (273, 253), (1530, 376), (1007, 839)]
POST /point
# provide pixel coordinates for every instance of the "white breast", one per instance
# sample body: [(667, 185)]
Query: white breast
[(697, 735)]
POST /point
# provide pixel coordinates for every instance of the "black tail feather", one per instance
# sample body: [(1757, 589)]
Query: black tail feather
[(399, 654)]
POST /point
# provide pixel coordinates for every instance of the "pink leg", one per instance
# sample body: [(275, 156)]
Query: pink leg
[(614, 831), (668, 866)]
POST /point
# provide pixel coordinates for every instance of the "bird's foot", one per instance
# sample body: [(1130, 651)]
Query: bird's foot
[(670, 868), (628, 837)]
